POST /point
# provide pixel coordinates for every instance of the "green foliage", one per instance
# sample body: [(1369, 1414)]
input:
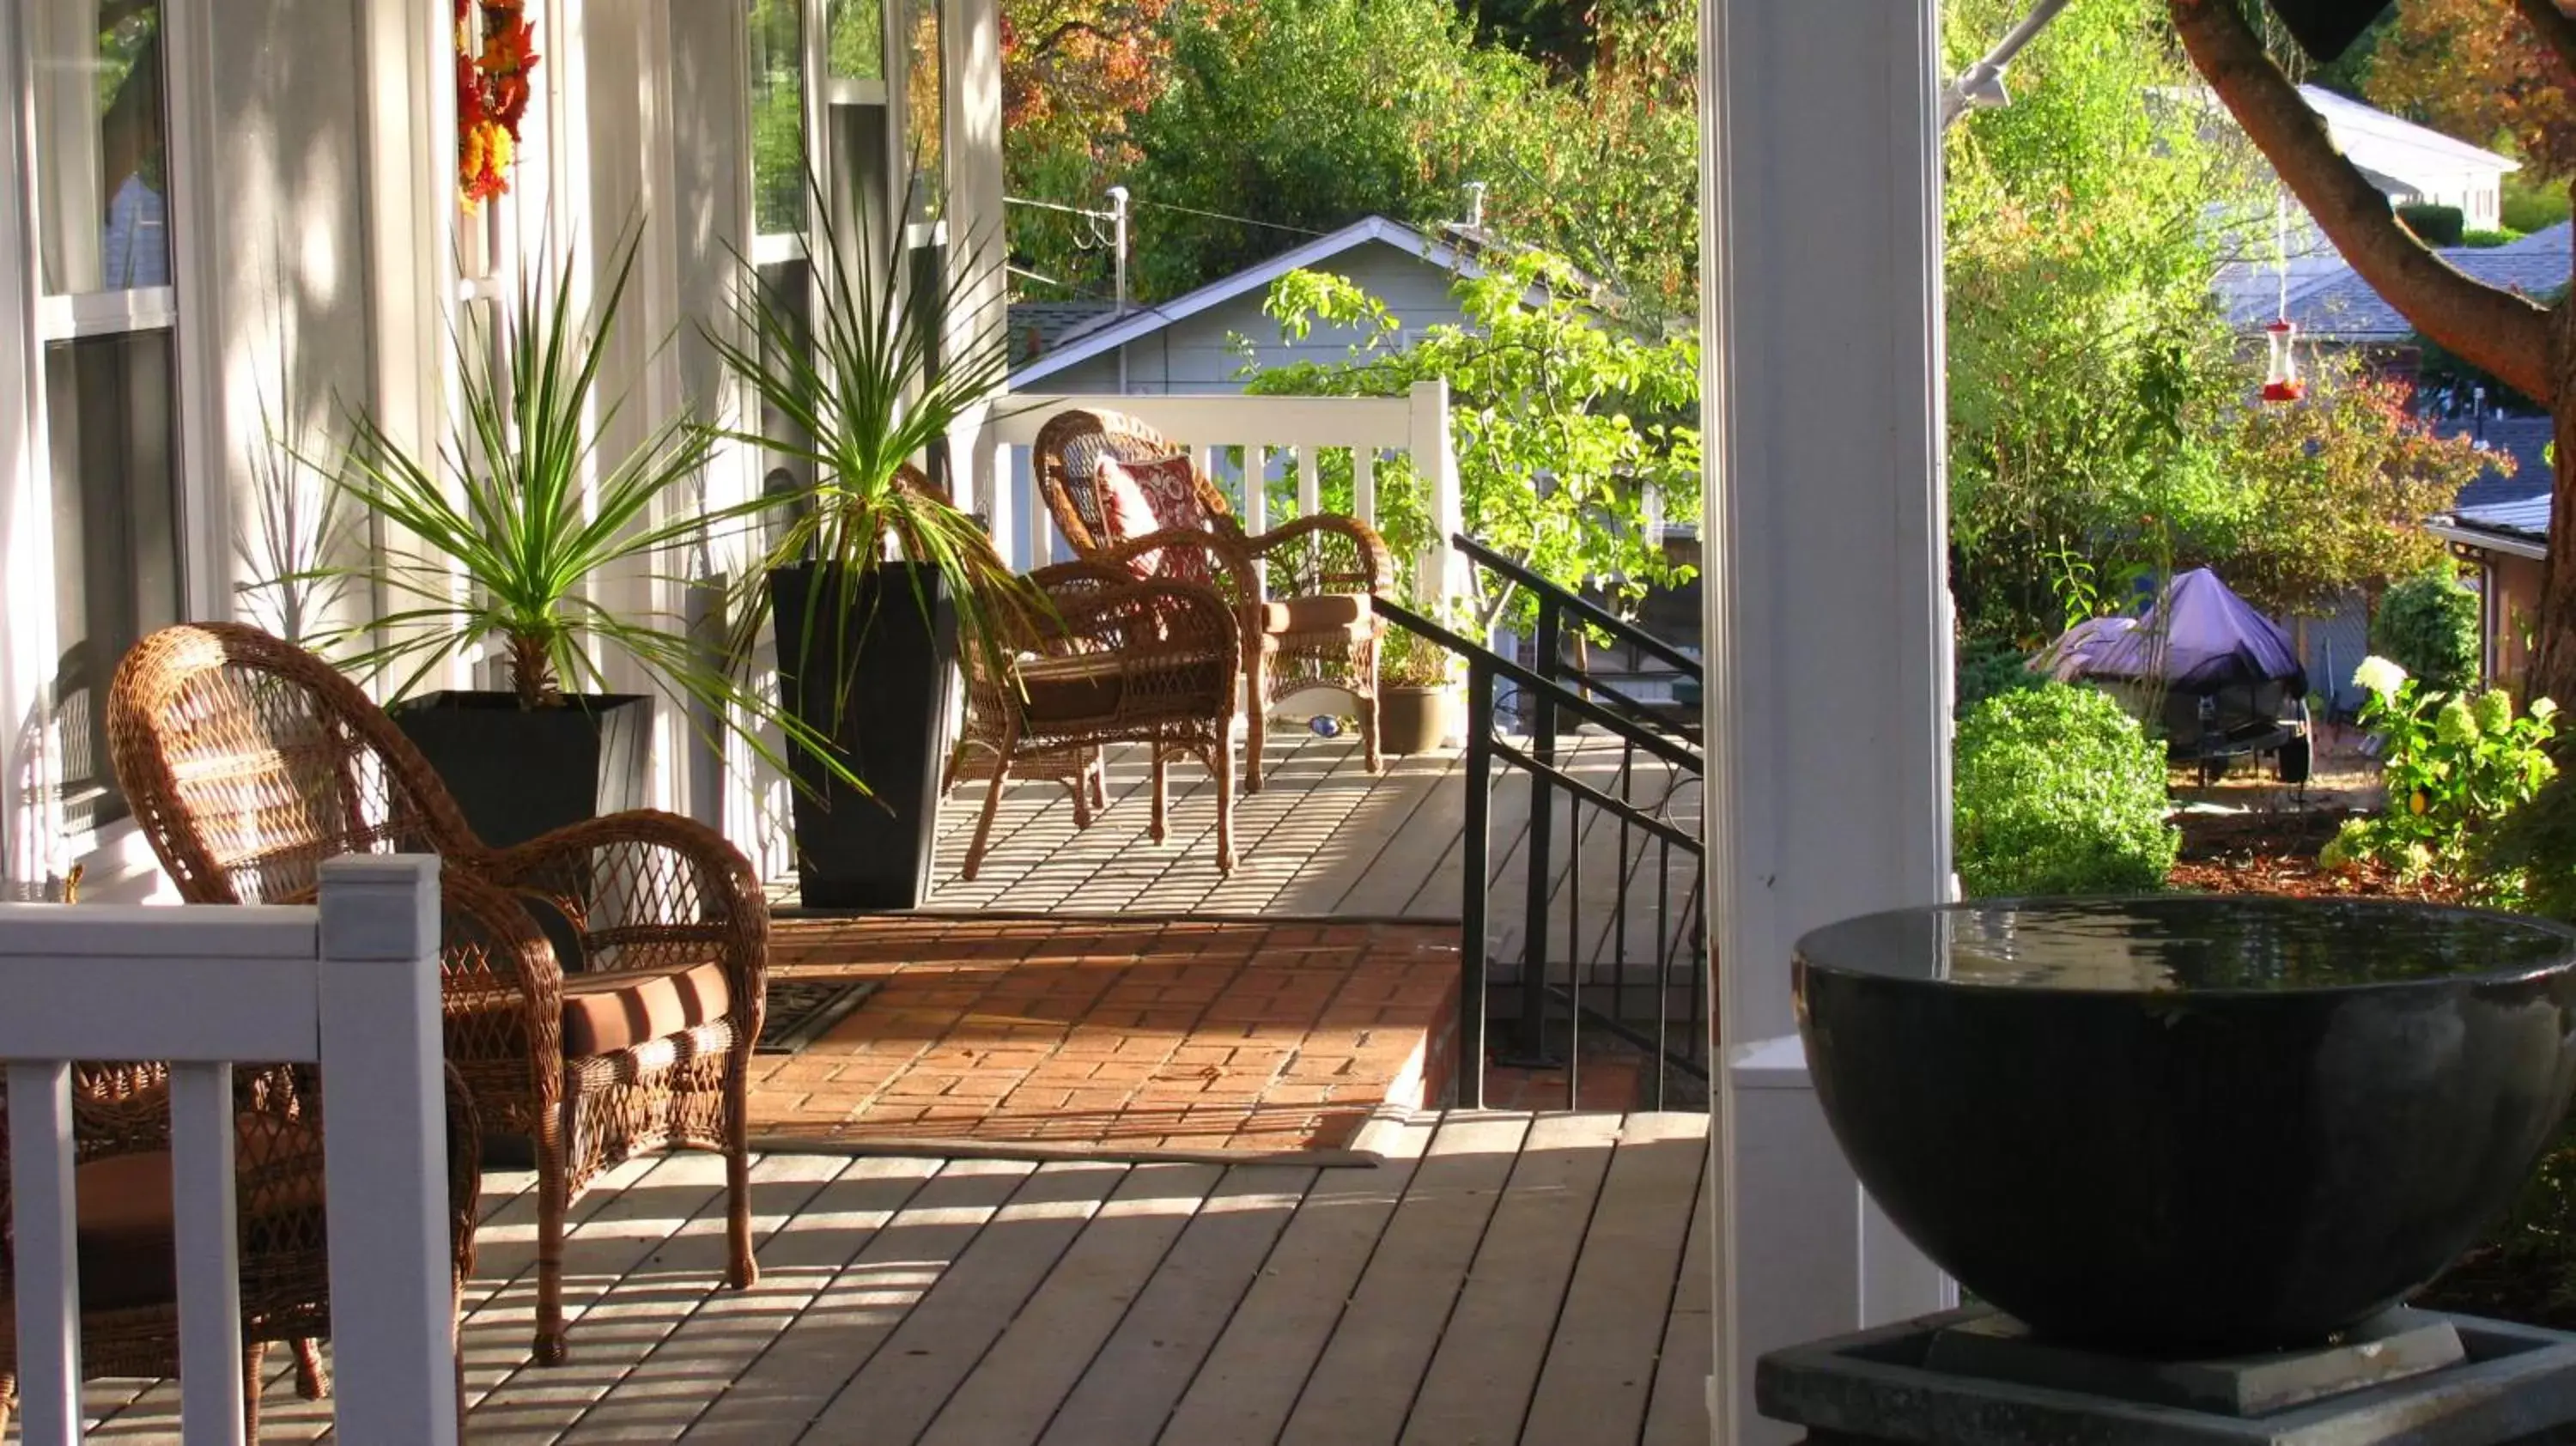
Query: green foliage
[(1306, 115), (1565, 423), (2535, 845), (2454, 765), (2428, 625), (523, 510), (2087, 357), (1982, 670), (2532, 203), (2434, 225), (2058, 791), (2490, 239)]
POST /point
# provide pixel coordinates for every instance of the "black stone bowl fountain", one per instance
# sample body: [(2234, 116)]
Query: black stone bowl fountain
[(2191, 1126)]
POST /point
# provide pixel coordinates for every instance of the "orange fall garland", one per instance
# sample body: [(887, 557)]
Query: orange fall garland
[(491, 93)]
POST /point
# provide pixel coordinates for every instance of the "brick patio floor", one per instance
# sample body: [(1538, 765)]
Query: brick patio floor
[(1127, 1036)]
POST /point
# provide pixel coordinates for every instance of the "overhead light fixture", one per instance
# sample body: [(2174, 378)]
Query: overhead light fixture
[(2326, 29)]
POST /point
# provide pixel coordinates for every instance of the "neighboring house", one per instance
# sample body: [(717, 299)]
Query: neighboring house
[(1187, 344), (2409, 164), (2338, 308), (2500, 525)]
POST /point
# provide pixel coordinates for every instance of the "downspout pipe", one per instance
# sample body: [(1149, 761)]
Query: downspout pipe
[(1982, 85)]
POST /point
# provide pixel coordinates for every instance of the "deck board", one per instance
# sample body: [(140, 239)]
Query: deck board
[(986, 1303)]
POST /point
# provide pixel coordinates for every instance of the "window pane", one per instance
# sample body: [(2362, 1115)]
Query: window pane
[(100, 147), (777, 117), (922, 116), (111, 404), (858, 39)]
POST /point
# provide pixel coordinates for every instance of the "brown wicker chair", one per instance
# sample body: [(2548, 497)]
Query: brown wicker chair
[(1313, 625), (1109, 659), (127, 1248), (248, 761)]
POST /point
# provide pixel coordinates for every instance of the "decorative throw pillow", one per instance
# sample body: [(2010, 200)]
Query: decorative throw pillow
[(1137, 498)]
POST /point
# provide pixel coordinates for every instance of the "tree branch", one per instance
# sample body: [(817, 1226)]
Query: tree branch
[(2556, 27), (2493, 328)]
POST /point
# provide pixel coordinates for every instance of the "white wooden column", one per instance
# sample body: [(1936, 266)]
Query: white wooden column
[(26, 574), (1828, 622), (970, 34)]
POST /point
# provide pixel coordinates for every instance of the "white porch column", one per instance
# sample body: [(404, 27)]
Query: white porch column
[(970, 33), (1828, 630)]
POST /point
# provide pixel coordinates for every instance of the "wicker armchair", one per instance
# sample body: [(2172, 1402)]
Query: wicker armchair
[(1312, 625), (1110, 659), (248, 761), (127, 1247)]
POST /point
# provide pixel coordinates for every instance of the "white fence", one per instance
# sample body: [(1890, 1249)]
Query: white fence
[(1369, 428), (352, 985)]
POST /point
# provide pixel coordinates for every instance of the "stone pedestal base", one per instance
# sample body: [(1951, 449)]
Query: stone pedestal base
[(2507, 1385)]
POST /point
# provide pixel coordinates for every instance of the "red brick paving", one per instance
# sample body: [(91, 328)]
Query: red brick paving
[(1121, 1035)]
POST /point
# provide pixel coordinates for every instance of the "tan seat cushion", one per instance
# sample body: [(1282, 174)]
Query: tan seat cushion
[(1087, 686), (1332, 612), (128, 1248), (606, 1011)]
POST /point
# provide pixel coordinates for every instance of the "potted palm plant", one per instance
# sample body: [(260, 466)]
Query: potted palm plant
[(871, 576), (517, 522)]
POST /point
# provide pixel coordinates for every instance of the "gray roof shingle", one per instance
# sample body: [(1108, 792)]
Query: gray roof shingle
[(2342, 307)]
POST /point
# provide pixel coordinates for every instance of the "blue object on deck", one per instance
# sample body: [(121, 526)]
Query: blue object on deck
[(1325, 725)]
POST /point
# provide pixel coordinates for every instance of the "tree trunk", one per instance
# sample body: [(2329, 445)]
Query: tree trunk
[(2553, 665)]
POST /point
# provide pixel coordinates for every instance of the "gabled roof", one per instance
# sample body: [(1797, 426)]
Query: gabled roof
[(1039, 327), (2350, 121), (2498, 512), (1143, 321)]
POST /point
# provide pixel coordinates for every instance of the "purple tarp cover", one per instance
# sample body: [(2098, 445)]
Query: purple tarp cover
[(2198, 637)]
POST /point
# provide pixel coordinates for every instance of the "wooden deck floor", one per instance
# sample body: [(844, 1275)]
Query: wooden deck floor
[(1503, 1278), (1324, 838)]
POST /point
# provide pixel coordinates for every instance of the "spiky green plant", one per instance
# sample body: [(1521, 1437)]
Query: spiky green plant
[(508, 541), (855, 394)]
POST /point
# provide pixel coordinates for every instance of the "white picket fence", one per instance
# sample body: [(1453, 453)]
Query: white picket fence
[(351, 984)]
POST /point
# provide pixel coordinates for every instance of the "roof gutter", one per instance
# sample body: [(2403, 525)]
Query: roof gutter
[(1982, 85), (2507, 543)]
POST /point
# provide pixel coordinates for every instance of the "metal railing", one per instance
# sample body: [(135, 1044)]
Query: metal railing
[(1639, 973)]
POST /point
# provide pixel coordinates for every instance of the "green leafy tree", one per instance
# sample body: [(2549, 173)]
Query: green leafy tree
[(1568, 428), (2428, 626)]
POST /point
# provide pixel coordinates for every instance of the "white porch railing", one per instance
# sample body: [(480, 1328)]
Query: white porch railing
[(1369, 428), (352, 985)]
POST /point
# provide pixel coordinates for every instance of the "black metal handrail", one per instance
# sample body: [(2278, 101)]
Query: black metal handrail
[(1556, 689)]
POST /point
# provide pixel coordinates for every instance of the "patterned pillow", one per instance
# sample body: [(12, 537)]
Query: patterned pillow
[(1137, 498)]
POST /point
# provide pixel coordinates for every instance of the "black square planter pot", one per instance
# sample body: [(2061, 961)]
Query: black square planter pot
[(868, 635)]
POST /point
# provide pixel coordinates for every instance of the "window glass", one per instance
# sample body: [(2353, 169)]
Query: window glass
[(111, 404), (857, 30), (778, 117), (923, 118), (101, 132)]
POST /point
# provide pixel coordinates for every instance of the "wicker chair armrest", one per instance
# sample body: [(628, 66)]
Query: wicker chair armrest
[(647, 888), (1371, 565), (1155, 623), (1232, 561)]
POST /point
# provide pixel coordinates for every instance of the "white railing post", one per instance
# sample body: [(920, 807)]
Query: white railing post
[(47, 1272), (1436, 572), (203, 1215), (393, 1304)]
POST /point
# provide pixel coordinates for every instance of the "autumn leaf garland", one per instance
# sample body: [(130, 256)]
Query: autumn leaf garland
[(491, 93)]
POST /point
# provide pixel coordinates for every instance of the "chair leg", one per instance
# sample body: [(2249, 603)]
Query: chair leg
[(1099, 777), (8, 1399), (553, 1200), (992, 798), (1162, 772), (312, 1378), (743, 1271), (1225, 803), (1258, 714), (1368, 731), (254, 1367)]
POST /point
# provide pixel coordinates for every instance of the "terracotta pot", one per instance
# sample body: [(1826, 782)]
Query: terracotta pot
[(1412, 720)]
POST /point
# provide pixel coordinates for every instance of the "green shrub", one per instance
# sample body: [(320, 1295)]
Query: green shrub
[(1983, 669), (2489, 238), (2454, 766), (2057, 791), (2428, 625), (2434, 225)]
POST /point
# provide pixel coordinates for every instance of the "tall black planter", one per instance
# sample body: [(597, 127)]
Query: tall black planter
[(520, 772), (859, 663)]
